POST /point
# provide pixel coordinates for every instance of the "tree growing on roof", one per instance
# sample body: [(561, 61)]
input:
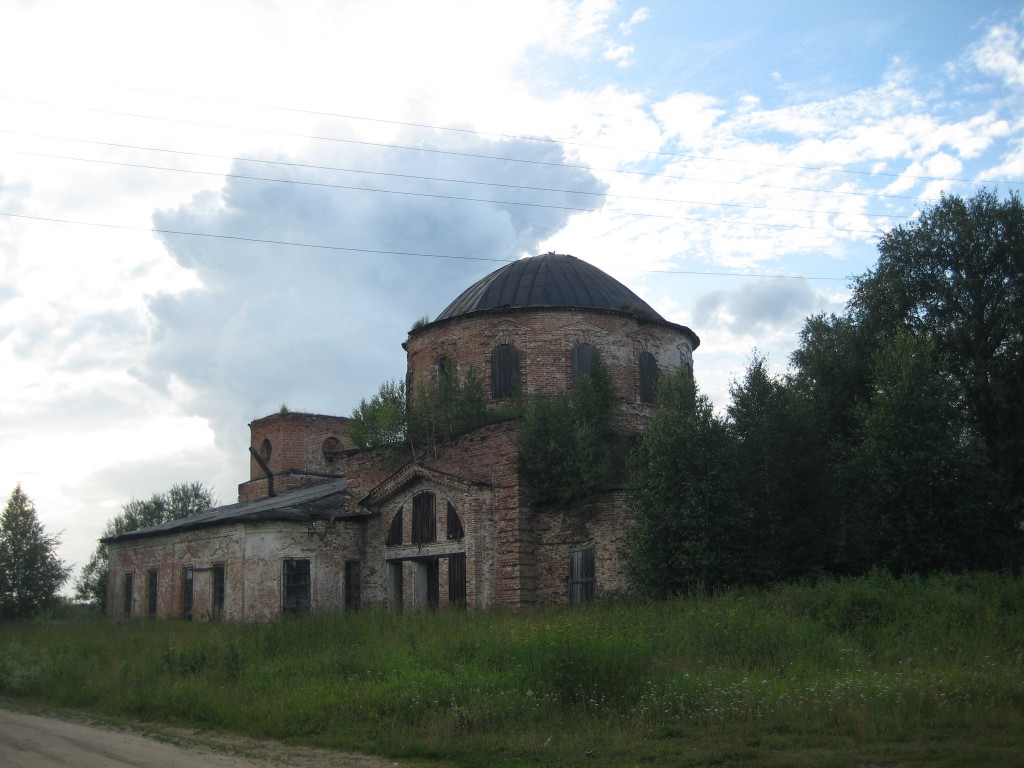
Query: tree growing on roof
[(182, 500), (30, 571)]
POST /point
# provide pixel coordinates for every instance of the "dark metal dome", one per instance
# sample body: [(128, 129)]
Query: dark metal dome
[(549, 280)]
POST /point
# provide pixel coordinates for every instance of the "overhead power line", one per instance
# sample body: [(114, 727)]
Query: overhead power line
[(568, 142), (449, 180), (372, 251), (482, 156), (460, 198)]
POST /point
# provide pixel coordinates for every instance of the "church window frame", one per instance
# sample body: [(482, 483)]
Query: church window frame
[(505, 371), (585, 358), (648, 389), (296, 587), (424, 518)]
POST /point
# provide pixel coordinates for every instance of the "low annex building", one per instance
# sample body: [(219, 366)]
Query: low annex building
[(323, 525)]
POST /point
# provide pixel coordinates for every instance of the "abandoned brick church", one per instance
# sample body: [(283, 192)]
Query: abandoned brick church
[(322, 525)]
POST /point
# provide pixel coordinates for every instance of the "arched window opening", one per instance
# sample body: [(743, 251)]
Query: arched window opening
[(455, 530), (504, 371), (394, 538), (648, 377), (424, 520), (266, 449), (584, 358)]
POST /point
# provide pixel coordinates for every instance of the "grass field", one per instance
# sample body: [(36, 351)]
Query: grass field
[(860, 672)]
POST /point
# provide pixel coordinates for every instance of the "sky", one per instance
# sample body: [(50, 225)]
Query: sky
[(208, 210)]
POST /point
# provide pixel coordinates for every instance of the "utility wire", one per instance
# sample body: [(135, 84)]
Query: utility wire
[(311, 166), (475, 155), (349, 249), (459, 198), (565, 142)]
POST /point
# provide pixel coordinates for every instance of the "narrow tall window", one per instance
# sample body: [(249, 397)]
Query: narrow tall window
[(127, 596), (504, 371), (394, 538), (296, 586), (424, 522), (455, 530), (444, 370), (151, 592), (218, 592), (187, 594), (352, 586), (584, 358), (648, 377), (581, 576)]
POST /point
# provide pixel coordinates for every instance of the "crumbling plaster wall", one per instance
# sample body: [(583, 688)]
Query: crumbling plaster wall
[(253, 557)]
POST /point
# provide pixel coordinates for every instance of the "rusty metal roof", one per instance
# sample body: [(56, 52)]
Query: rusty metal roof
[(549, 280), (323, 501)]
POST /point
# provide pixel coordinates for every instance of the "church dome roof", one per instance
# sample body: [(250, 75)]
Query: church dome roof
[(548, 280)]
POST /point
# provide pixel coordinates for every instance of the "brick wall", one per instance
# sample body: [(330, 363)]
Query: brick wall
[(545, 340)]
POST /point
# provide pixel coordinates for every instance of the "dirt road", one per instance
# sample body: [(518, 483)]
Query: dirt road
[(34, 741)]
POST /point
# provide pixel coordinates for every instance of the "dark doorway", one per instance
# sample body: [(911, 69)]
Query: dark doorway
[(433, 584), (457, 581), (352, 593)]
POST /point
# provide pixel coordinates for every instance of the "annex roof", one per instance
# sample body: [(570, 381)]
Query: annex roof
[(329, 500)]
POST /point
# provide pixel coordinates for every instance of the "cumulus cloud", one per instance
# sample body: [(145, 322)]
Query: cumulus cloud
[(760, 306), (1000, 54), (319, 329)]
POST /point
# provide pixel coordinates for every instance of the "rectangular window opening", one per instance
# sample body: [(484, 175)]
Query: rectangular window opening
[(296, 586), (187, 592), (581, 576), (127, 597), (218, 592), (352, 586), (151, 593)]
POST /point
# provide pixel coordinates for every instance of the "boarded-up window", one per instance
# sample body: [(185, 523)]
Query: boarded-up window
[(504, 371), (457, 580), (127, 585), (424, 521), (296, 586), (581, 576), (218, 591), (187, 584), (394, 538), (151, 584), (455, 531), (648, 377), (352, 587), (584, 358)]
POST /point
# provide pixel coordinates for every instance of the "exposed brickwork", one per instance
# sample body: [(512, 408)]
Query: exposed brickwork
[(545, 340), (514, 555)]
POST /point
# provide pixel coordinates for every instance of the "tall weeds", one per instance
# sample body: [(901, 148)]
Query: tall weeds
[(862, 659)]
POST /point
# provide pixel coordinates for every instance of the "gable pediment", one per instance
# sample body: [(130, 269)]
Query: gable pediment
[(411, 475)]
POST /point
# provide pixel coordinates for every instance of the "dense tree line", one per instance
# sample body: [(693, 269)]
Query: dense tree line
[(895, 440)]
